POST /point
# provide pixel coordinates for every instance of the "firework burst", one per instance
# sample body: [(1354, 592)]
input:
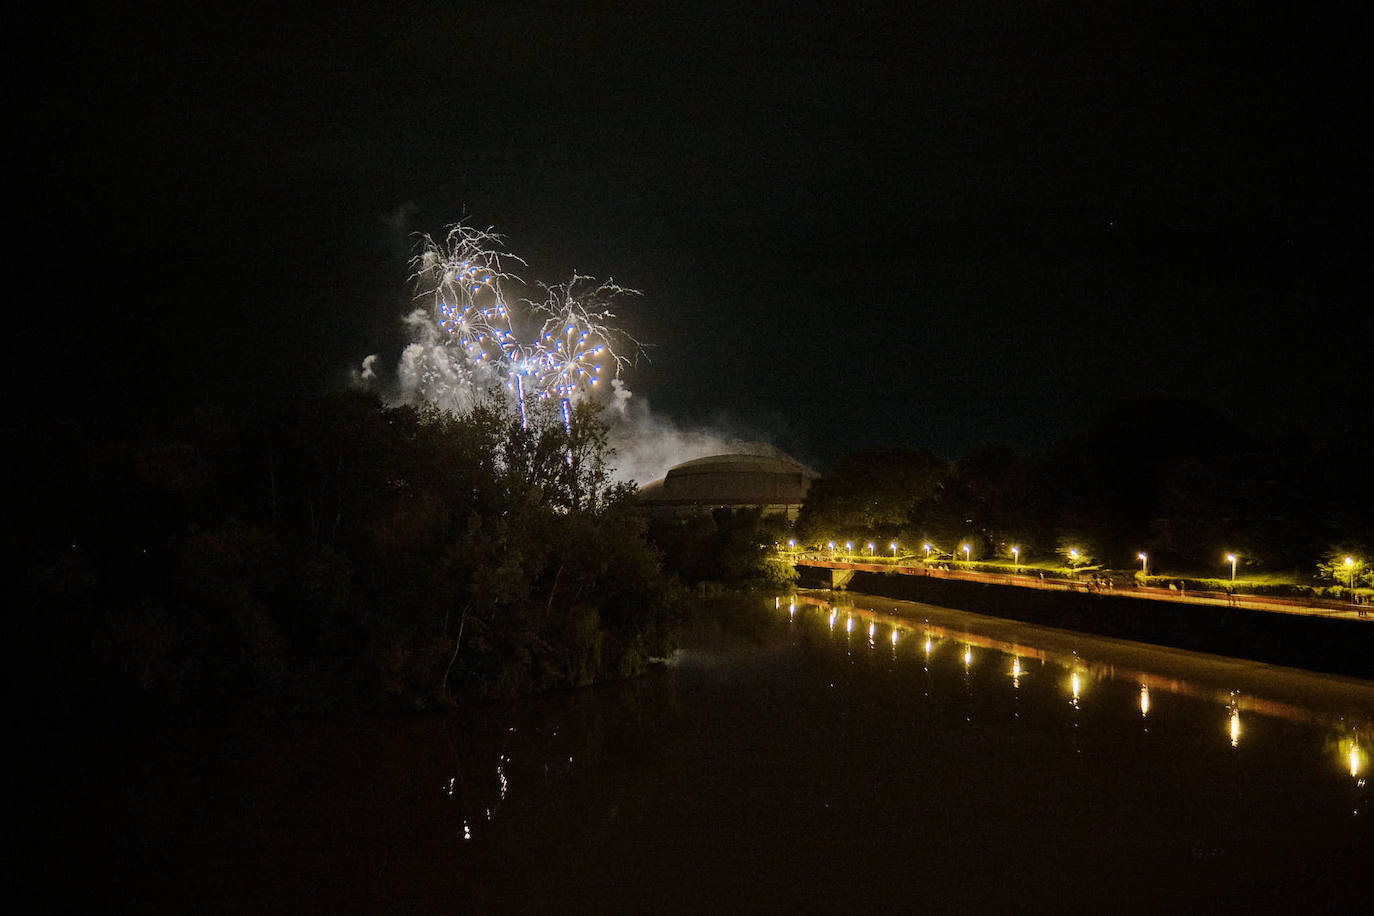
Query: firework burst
[(466, 340)]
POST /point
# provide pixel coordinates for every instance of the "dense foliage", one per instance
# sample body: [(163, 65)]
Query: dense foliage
[(336, 555), (1164, 477), (727, 547)]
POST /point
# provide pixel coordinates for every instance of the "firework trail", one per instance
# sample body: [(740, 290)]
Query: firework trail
[(466, 342), (575, 343)]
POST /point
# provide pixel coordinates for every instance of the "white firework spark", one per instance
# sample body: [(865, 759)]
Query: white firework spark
[(465, 340)]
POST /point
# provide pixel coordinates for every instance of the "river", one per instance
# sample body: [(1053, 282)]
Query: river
[(796, 755)]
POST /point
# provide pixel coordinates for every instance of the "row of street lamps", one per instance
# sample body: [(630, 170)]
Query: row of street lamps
[(1073, 555)]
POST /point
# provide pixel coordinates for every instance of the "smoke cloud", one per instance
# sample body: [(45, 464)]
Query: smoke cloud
[(647, 445)]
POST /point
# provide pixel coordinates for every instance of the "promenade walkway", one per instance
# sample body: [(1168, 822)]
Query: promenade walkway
[(1310, 607)]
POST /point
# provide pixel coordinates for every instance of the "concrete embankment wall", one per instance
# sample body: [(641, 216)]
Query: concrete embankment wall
[(1316, 643)]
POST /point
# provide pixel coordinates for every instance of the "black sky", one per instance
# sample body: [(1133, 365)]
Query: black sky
[(905, 224)]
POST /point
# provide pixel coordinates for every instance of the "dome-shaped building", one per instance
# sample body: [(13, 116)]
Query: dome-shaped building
[(777, 484)]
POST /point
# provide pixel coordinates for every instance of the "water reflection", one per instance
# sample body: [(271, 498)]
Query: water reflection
[(775, 744), (1351, 728)]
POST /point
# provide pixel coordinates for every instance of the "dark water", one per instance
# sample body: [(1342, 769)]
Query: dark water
[(789, 760)]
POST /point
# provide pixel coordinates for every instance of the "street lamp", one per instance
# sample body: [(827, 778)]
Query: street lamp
[(870, 548), (966, 553), (926, 548), (1015, 557), (849, 548), (1232, 558), (893, 545), (1144, 564), (1350, 573), (832, 550)]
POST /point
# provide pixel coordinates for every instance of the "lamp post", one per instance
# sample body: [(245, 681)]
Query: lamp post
[(1015, 558), (893, 545), (1232, 558), (849, 549), (1350, 577), (926, 548), (870, 548), (832, 551), (967, 553), (1144, 564)]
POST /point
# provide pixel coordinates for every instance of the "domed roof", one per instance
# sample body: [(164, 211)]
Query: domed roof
[(732, 480)]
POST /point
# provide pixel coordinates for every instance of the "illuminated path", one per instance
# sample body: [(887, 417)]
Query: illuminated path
[(1296, 606)]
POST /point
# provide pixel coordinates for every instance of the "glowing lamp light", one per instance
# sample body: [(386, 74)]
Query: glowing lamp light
[(1144, 563), (893, 545), (967, 552)]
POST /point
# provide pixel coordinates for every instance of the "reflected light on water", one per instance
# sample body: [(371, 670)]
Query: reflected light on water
[(1354, 757), (1347, 744)]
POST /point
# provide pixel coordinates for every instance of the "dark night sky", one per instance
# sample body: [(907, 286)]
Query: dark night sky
[(906, 224)]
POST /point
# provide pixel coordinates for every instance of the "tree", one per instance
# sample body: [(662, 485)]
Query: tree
[(870, 493)]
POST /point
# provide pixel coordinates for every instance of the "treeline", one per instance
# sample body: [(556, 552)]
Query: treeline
[(332, 555), (1164, 477)]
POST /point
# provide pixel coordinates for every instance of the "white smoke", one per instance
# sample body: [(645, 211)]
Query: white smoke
[(647, 445), (365, 375)]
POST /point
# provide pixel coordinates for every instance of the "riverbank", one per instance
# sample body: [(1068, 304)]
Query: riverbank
[(1313, 642)]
